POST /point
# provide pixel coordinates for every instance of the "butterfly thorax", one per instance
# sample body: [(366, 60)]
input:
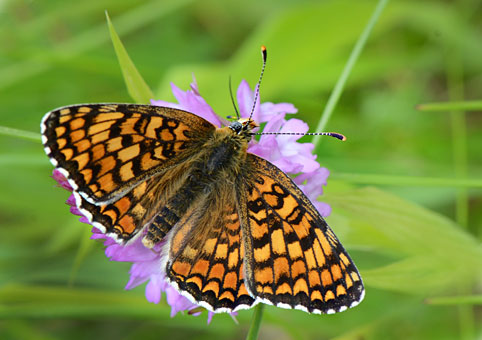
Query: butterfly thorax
[(225, 151)]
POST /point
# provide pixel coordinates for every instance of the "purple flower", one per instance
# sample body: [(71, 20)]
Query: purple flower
[(284, 151), (191, 101)]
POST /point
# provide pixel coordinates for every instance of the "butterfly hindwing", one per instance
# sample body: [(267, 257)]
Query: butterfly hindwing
[(205, 259), (292, 258), (106, 149), (261, 241), (125, 218)]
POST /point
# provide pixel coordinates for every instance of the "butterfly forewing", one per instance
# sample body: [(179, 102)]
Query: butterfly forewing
[(107, 149), (292, 258)]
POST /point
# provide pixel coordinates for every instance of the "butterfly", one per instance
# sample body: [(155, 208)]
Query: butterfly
[(237, 231)]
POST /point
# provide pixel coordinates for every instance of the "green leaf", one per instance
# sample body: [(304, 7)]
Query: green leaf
[(469, 105), (428, 248), (136, 86)]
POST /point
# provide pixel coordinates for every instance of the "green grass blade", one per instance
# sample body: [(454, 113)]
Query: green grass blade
[(467, 105), (32, 136), (340, 84), (380, 179), (136, 86), (85, 245), (44, 60), (455, 300), (456, 89), (24, 159)]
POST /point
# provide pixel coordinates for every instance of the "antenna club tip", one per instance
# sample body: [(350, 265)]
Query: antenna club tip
[(264, 52), (338, 136)]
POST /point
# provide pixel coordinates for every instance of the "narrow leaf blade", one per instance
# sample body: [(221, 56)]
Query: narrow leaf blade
[(136, 86)]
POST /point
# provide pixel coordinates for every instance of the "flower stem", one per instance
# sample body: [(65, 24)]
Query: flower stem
[(256, 322), (340, 84)]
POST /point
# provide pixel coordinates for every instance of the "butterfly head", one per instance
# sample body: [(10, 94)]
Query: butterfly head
[(243, 126)]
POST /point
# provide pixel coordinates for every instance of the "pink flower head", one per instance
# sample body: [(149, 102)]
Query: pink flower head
[(284, 151)]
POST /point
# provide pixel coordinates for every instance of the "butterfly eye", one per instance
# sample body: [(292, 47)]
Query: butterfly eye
[(236, 127)]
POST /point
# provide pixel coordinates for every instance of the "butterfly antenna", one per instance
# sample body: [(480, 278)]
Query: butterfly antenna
[(331, 134), (337, 135), (232, 100), (256, 94)]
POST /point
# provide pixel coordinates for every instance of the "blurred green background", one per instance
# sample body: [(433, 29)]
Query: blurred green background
[(405, 188)]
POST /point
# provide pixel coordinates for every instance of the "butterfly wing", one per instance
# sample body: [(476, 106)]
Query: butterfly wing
[(105, 150), (292, 258), (205, 254), (124, 218)]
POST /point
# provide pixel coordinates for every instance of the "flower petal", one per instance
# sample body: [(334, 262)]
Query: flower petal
[(245, 98), (293, 125), (165, 104), (177, 302), (153, 289), (269, 111), (323, 208), (191, 101)]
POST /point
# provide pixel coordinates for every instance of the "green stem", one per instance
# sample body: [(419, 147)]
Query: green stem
[(256, 322), (455, 300), (20, 134), (85, 244), (340, 84), (455, 85), (459, 134), (380, 179), (468, 105)]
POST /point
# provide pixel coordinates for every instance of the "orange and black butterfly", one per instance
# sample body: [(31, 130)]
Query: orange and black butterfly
[(237, 231)]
